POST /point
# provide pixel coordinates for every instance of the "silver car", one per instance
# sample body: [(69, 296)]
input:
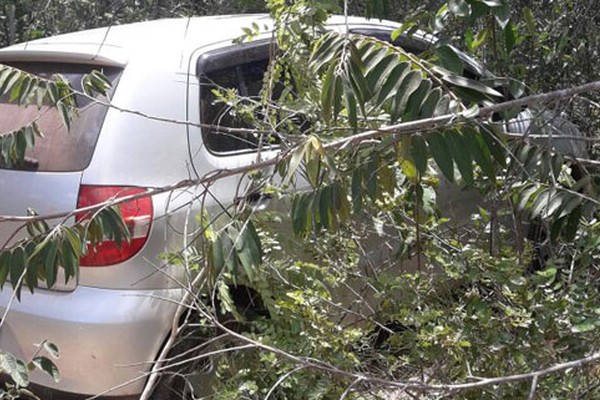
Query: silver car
[(112, 321)]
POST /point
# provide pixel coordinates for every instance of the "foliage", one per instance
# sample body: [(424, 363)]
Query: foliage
[(380, 283), (19, 371), (448, 303)]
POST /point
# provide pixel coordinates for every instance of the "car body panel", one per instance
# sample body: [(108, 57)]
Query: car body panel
[(93, 334)]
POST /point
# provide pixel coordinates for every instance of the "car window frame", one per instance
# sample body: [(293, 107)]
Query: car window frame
[(227, 57)]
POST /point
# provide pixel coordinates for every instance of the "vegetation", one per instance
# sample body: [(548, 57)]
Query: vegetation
[(383, 290)]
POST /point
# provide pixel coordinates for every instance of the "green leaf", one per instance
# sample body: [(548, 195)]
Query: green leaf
[(328, 93), (113, 224), (14, 367), (351, 107), (449, 59), (218, 256), (13, 79), (326, 207), (441, 155), (340, 201), (68, 259), (525, 195), (570, 205), (372, 55), (31, 276), (418, 152), (371, 174), (46, 365), (356, 71), (99, 82), (471, 84), (556, 226), (410, 83), (326, 49), (480, 39), (443, 106), (64, 113), (409, 169), (415, 101), (294, 162), (428, 107), (510, 37), (20, 145), (74, 239), (301, 215), (25, 91), (229, 254), (40, 95), (555, 202), (227, 304), (50, 265), (557, 163), (495, 144), (17, 88), (17, 267), (573, 223), (247, 246), (377, 73), (403, 28), (461, 156), (4, 266), (476, 146), (254, 243), (5, 74), (51, 348), (541, 202), (548, 275), (53, 92), (391, 83)]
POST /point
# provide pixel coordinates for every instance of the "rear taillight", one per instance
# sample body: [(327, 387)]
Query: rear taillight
[(137, 215)]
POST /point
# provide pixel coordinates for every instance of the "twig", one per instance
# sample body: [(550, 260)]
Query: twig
[(534, 382), (281, 379)]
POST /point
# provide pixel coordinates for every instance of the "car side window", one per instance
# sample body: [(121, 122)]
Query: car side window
[(241, 68)]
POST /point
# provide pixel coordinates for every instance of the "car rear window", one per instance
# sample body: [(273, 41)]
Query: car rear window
[(60, 150)]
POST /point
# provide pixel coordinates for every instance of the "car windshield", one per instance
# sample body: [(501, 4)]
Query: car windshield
[(60, 150)]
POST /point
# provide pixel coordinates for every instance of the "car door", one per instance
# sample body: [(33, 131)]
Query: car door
[(228, 139)]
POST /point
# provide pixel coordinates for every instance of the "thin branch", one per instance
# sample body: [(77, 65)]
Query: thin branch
[(281, 379), (534, 382)]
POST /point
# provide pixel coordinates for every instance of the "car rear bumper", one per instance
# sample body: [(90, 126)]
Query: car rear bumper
[(107, 338)]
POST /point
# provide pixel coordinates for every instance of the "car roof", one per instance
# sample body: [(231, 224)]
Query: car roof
[(119, 44)]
